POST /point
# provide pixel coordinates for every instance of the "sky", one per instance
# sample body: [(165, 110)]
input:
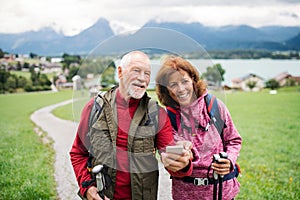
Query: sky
[(72, 16)]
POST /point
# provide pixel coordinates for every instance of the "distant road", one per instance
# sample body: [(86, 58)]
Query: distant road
[(63, 133)]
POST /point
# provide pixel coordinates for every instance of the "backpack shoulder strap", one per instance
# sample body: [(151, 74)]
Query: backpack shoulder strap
[(214, 114), (94, 115), (96, 109), (172, 115), (153, 110)]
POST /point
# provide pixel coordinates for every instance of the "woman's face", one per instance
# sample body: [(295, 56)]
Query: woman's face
[(180, 87)]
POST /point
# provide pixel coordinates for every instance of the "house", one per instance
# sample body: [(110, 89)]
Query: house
[(48, 67), (56, 60), (286, 79), (283, 78), (61, 81), (244, 83), (7, 58)]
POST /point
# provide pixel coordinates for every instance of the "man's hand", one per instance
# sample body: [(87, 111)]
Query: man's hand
[(223, 167), (92, 194)]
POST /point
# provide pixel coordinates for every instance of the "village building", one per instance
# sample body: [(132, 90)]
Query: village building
[(48, 67), (244, 83), (286, 79)]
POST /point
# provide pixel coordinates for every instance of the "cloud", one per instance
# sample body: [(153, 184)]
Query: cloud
[(72, 16), (288, 14)]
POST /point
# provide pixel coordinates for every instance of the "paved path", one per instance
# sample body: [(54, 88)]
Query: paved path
[(63, 134)]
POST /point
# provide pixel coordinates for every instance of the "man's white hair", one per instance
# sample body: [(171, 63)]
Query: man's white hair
[(126, 59)]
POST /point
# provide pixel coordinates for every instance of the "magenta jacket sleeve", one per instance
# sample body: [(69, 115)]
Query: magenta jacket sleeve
[(187, 171)]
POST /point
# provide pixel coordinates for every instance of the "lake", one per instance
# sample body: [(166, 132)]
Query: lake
[(237, 68)]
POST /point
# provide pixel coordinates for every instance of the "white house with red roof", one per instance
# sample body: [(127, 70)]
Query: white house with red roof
[(243, 83)]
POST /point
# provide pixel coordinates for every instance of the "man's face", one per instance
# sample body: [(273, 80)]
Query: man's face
[(135, 78)]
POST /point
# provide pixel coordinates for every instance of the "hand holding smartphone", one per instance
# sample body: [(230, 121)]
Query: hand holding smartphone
[(177, 149)]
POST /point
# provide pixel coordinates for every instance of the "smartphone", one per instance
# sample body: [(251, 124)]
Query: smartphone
[(177, 149)]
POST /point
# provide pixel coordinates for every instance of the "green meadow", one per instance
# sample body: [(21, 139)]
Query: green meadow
[(269, 125), (26, 164)]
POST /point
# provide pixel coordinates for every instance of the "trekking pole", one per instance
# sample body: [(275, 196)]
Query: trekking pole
[(216, 157), (97, 171), (222, 155)]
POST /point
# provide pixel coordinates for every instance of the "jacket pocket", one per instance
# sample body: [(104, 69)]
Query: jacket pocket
[(101, 147), (144, 139)]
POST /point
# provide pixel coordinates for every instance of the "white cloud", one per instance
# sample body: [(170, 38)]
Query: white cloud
[(72, 16), (236, 15)]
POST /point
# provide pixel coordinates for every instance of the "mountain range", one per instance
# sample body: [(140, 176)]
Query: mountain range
[(48, 42)]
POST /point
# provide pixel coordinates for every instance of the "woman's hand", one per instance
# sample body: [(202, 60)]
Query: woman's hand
[(176, 162), (222, 167), (188, 145)]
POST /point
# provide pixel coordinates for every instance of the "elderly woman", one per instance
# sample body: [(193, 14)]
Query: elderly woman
[(180, 89)]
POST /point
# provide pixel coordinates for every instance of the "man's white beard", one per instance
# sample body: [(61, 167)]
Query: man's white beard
[(136, 94)]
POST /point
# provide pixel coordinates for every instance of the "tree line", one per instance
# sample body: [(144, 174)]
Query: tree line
[(71, 65), (12, 83)]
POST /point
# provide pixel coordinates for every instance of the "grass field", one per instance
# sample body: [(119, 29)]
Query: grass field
[(26, 165), (269, 125), (269, 157), (27, 74)]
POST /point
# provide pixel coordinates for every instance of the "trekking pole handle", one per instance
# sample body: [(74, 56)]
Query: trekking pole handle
[(97, 171), (225, 156), (216, 157)]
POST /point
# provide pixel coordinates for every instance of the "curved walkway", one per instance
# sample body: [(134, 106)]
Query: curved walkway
[(63, 133)]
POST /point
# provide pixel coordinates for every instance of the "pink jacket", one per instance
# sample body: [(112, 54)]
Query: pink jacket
[(205, 144)]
